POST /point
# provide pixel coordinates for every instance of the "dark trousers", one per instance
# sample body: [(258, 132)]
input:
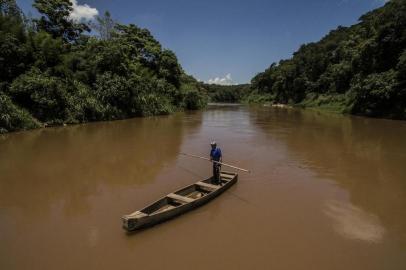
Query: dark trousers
[(216, 173)]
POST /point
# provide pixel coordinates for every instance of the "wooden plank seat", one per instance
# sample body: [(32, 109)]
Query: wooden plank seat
[(196, 194), (206, 185), (180, 198), (137, 214), (226, 176), (163, 209)]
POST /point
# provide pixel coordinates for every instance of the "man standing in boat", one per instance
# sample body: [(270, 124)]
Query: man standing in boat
[(215, 155)]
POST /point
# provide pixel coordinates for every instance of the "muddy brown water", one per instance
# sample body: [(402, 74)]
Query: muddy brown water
[(326, 192)]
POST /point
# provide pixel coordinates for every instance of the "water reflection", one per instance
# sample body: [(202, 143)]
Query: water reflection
[(44, 168), (364, 156)]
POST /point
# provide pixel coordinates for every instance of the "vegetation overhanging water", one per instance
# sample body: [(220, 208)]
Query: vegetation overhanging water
[(53, 73)]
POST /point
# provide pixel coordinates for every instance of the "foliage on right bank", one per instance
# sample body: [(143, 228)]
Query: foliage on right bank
[(359, 69)]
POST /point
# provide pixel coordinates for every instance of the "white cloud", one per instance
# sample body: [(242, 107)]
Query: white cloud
[(82, 12), (227, 80)]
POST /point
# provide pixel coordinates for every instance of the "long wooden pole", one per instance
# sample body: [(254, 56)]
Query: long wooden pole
[(225, 164)]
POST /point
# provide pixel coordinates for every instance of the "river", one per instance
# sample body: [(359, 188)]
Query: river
[(326, 191)]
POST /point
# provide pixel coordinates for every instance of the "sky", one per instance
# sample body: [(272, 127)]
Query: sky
[(229, 41)]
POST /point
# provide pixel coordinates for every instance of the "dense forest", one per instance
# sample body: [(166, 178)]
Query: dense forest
[(55, 70), (359, 69), (227, 93)]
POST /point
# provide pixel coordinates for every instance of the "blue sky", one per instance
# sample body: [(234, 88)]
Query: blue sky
[(229, 41)]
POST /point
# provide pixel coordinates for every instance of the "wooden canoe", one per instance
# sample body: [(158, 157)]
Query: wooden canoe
[(178, 202)]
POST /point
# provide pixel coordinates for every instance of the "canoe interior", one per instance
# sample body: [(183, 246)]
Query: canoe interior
[(191, 193)]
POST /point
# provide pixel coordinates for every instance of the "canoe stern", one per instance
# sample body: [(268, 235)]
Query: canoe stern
[(134, 220)]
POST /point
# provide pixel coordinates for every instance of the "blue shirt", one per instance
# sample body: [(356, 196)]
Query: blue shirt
[(215, 154)]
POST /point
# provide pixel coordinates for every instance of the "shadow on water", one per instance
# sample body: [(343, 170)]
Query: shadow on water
[(67, 187), (364, 156), (43, 168)]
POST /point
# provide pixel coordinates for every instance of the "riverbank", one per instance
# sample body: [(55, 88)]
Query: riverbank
[(14, 119), (335, 103)]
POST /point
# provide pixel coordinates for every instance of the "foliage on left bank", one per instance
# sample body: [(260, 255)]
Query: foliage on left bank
[(53, 71)]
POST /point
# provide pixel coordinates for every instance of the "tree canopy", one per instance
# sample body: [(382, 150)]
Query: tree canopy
[(56, 21), (358, 69), (52, 72)]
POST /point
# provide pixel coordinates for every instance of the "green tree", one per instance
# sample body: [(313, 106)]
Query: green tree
[(375, 95), (114, 93), (14, 57), (194, 100), (401, 66), (169, 68), (55, 19), (44, 96), (143, 47), (13, 118), (45, 50)]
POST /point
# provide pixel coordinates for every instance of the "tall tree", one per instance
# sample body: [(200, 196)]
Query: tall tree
[(104, 26), (13, 53), (56, 21)]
